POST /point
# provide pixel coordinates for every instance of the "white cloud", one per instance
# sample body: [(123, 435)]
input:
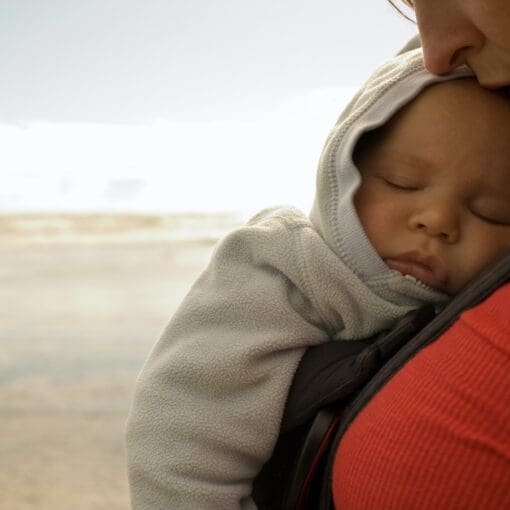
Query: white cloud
[(265, 159)]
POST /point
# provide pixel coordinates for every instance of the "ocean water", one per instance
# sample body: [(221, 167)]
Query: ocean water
[(95, 227), (82, 301), (82, 298)]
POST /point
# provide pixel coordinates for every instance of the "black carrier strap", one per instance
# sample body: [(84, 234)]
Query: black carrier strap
[(478, 290), (327, 377), (334, 381)]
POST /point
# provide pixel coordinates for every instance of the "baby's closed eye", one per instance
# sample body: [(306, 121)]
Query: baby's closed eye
[(401, 181), (491, 209), (502, 220)]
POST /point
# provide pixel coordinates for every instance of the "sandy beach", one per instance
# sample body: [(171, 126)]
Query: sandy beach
[(82, 300)]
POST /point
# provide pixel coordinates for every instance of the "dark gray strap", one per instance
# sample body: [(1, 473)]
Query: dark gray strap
[(478, 290), (334, 371)]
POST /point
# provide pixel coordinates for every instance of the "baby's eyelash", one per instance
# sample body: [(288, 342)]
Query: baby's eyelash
[(402, 187), (492, 221)]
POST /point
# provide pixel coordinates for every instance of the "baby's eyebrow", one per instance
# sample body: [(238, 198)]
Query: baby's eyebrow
[(411, 160)]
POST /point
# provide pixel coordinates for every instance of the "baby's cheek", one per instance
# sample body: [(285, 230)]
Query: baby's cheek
[(481, 258)]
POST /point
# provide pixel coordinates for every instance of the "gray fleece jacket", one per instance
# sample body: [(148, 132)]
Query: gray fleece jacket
[(209, 400)]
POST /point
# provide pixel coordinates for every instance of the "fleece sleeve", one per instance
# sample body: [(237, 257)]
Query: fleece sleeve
[(209, 400)]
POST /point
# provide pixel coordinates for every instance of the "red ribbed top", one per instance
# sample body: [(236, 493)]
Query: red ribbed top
[(437, 435)]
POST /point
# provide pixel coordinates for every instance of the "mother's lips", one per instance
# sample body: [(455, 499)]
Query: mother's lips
[(423, 267)]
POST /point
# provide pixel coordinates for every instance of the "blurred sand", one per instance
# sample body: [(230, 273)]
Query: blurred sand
[(82, 300)]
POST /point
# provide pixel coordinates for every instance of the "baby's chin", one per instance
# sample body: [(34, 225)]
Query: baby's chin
[(454, 288)]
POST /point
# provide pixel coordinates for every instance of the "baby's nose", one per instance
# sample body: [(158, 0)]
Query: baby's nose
[(439, 221)]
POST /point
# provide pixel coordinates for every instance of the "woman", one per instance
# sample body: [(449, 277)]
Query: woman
[(437, 435), (474, 32)]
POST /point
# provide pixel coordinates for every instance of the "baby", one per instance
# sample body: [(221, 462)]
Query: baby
[(412, 202), (434, 198)]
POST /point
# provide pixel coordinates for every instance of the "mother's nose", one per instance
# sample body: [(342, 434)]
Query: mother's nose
[(449, 38)]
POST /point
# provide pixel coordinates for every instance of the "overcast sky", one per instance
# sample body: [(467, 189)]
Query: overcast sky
[(177, 104)]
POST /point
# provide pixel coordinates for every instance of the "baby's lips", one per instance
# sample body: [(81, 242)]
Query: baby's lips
[(426, 268)]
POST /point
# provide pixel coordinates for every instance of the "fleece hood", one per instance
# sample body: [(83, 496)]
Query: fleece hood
[(390, 88)]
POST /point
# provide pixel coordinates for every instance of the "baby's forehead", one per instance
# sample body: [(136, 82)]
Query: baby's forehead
[(465, 92), (452, 107), (453, 124)]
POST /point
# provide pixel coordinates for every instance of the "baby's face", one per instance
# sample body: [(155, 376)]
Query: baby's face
[(435, 193)]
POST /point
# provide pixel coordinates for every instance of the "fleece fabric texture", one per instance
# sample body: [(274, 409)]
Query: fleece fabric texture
[(209, 400)]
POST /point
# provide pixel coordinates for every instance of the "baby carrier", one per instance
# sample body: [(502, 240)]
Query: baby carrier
[(334, 381)]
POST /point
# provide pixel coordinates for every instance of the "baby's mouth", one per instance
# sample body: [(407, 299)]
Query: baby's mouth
[(424, 268)]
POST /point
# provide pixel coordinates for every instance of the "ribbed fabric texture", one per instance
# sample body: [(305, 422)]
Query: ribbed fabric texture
[(437, 436)]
